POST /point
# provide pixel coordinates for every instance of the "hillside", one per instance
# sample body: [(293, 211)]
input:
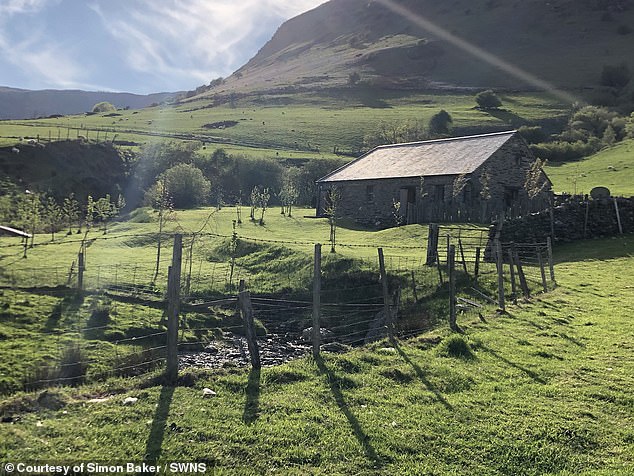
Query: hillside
[(612, 168), (64, 167), (26, 104), (419, 44)]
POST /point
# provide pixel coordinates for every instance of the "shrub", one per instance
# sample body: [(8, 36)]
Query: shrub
[(440, 123), (187, 186), (103, 107), (615, 76), (488, 100), (456, 346), (532, 134)]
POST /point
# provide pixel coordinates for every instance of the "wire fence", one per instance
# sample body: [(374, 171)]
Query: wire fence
[(95, 336)]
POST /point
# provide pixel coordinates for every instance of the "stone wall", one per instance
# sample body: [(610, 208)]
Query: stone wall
[(568, 222)]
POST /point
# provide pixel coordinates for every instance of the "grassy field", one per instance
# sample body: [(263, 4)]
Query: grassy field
[(544, 389), (129, 247), (612, 168), (308, 123)]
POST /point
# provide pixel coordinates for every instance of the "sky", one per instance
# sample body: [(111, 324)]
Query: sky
[(137, 46)]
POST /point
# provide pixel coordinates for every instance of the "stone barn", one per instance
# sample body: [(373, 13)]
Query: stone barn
[(461, 179)]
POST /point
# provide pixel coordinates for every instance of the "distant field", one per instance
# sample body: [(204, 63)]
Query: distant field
[(612, 168), (300, 123)]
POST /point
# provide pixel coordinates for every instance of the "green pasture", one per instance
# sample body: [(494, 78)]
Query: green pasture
[(542, 389), (612, 168), (301, 123), (127, 252)]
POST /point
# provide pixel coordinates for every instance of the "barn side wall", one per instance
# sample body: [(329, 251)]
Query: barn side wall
[(438, 198)]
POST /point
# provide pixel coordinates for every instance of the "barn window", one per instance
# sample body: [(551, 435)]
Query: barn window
[(369, 193)]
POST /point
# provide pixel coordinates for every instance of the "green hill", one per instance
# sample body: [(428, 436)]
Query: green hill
[(416, 44), (612, 168)]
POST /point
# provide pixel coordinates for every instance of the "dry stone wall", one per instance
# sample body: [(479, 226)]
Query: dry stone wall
[(569, 223)]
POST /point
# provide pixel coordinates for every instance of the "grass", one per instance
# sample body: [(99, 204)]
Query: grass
[(127, 253), (612, 168), (298, 126), (548, 391)]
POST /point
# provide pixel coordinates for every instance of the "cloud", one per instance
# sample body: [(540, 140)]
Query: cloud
[(13, 7), (134, 45), (31, 54), (194, 39)]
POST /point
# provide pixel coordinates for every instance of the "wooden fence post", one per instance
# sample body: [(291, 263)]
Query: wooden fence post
[(585, 220), (451, 270), (551, 264), (244, 298), (540, 260), (476, 270), (522, 276), (386, 296), (432, 244), (512, 270), (316, 300), (173, 309), (464, 263), (618, 216), (414, 287), (80, 274), (448, 244), (500, 269)]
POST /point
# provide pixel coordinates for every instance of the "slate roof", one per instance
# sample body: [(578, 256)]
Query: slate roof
[(454, 156)]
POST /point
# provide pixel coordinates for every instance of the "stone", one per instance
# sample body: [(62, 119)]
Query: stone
[(336, 347), (208, 393)]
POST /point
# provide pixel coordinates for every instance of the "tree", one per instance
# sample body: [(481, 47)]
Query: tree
[(255, 201), (485, 192), (263, 203), (70, 211), (53, 215), (440, 123), (488, 100), (616, 76), (90, 211), (289, 192), (103, 106), (105, 210), (331, 210), (535, 181), (395, 133), (160, 200), (29, 213), (186, 185)]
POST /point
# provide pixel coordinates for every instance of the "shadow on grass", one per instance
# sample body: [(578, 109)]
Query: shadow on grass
[(362, 437), (507, 116), (422, 377), (67, 305), (528, 372), (252, 405), (154, 444)]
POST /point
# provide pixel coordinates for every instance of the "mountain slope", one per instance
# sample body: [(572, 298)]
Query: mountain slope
[(417, 43), (26, 104)]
